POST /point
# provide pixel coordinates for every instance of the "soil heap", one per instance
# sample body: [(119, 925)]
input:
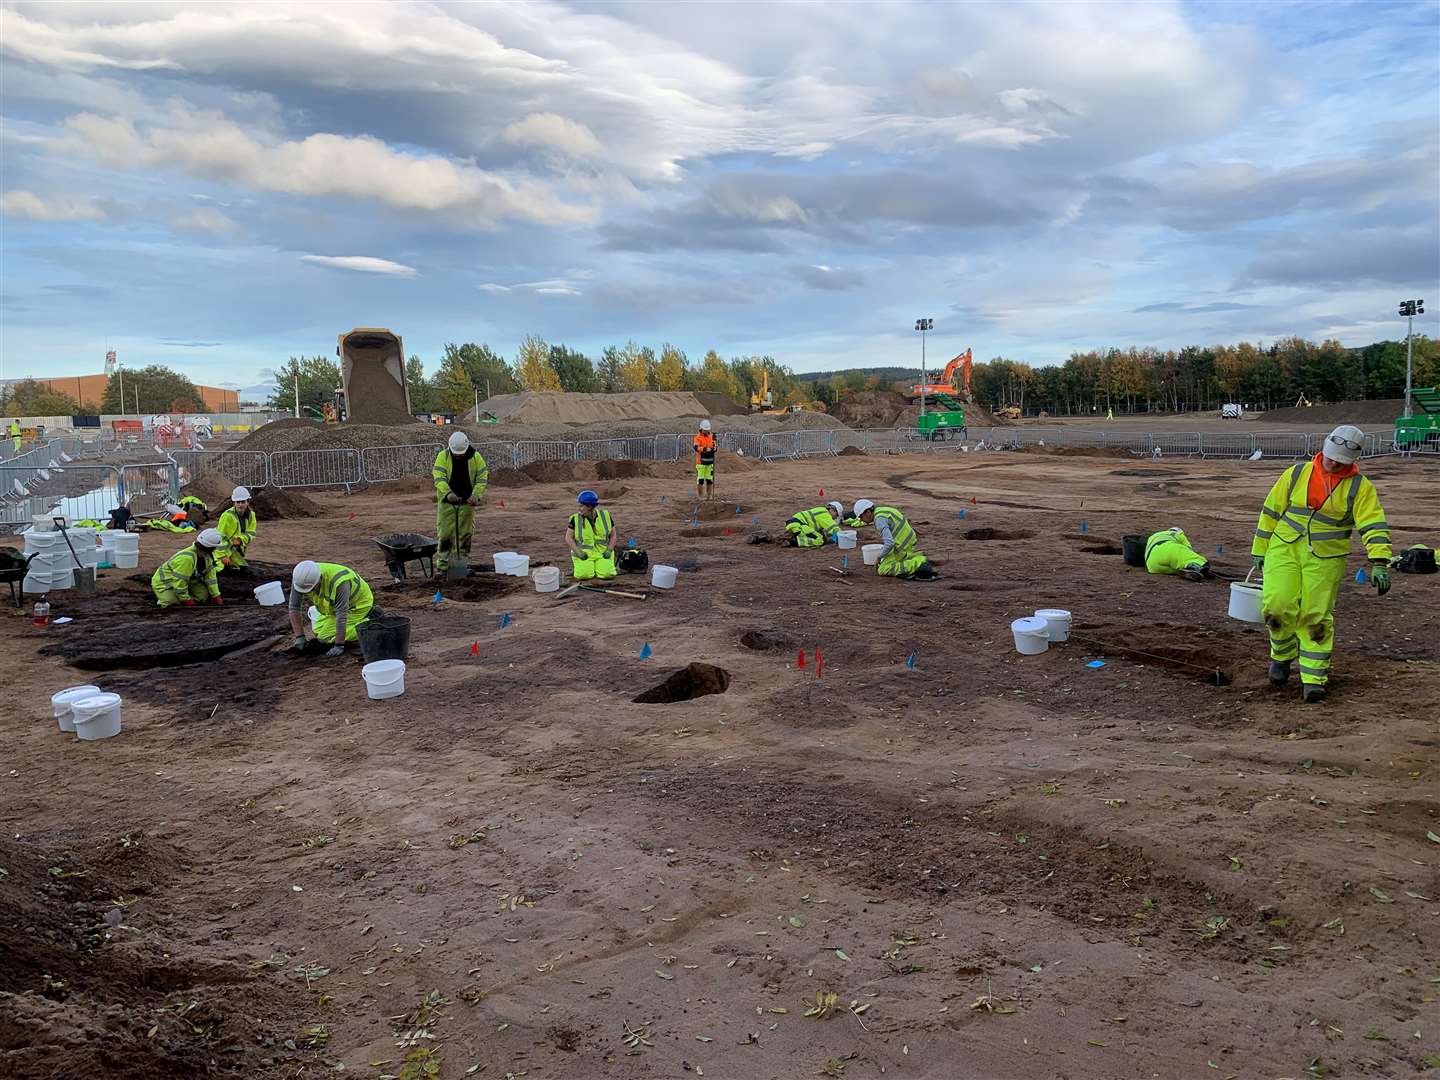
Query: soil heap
[(536, 408), (875, 409), (1383, 411)]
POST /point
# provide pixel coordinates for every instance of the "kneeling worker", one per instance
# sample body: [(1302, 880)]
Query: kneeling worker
[(460, 476), (340, 595), (591, 537), (1169, 552), (899, 557), (811, 528), (237, 525), (188, 577)]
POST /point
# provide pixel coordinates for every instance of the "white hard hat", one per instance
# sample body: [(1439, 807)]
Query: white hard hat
[(210, 538), (459, 442), (240, 494), (861, 505), (1343, 445), (839, 509), (704, 425), (306, 576)]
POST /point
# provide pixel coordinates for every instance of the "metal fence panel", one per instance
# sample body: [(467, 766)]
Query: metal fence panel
[(1176, 444), (147, 488), (740, 442), (528, 452), (1282, 444), (813, 443), (670, 447), (381, 463), (248, 467), (315, 468), (80, 492), (497, 455), (775, 446)]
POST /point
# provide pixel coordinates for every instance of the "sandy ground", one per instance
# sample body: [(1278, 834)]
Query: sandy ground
[(985, 865)]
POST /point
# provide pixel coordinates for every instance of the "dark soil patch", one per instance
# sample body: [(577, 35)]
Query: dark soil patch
[(240, 584), (987, 586), (619, 470), (987, 533), (508, 478), (851, 451), (769, 639), (691, 681), (270, 503), (711, 530), (710, 511), (1193, 652), (183, 636), (477, 588), (1102, 549), (1157, 471), (227, 691), (87, 999)]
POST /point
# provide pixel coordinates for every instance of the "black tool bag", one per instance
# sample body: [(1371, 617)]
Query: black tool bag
[(633, 561), (1416, 560)]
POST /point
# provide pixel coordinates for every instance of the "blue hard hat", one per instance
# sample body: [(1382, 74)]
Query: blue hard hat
[(588, 498)]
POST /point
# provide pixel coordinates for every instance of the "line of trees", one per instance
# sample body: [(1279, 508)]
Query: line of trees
[(151, 389), (1203, 378)]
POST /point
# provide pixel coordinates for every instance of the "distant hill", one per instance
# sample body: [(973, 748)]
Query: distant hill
[(884, 374)]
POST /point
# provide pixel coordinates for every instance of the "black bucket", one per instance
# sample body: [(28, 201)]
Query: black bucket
[(1134, 550), (385, 637)]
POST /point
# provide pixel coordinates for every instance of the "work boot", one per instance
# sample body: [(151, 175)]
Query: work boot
[(1313, 694), (1279, 672)]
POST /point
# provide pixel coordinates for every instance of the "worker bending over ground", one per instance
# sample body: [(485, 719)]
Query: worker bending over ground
[(461, 476), (899, 557), (339, 594), (1169, 552), (188, 577), (591, 538), (811, 528), (704, 443), (1301, 541), (237, 525)]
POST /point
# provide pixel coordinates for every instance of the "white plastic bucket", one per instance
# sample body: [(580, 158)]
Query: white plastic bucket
[(384, 678), (1245, 601), (62, 701), (663, 577), (846, 539), (1057, 622), (126, 560), (520, 566), (97, 717), (124, 541), (1030, 635), (503, 559), (270, 594), (871, 553), (46, 523), (547, 578)]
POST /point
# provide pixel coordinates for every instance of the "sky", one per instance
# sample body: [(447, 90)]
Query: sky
[(219, 186)]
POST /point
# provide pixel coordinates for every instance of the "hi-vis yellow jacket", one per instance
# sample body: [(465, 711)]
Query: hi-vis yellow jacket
[(1286, 516)]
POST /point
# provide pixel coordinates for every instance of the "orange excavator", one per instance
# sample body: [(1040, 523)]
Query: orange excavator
[(944, 386)]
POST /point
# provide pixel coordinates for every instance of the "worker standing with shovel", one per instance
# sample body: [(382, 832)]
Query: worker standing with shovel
[(461, 476)]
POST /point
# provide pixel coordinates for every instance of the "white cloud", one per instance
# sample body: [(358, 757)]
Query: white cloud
[(550, 287), (492, 287), (364, 264), (552, 132), (26, 204), (209, 145)]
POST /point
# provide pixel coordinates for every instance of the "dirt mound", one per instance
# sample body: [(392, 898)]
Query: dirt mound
[(508, 478), (312, 435), (533, 408), (851, 451), (85, 998), (720, 404), (1079, 451), (875, 409), (559, 472), (1382, 411), (279, 435), (271, 504)]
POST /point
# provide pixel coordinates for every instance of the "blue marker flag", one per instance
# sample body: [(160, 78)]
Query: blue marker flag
[(1360, 577), (663, 498), (1084, 527), (737, 509), (437, 597), (632, 542), (504, 620), (910, 661), (844, 562), (1220, 550), (960, 514), (645, 651), (1096, 663)]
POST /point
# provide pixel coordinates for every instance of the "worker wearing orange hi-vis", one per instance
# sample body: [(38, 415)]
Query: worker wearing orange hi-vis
[(704, 443), (1301, 542)]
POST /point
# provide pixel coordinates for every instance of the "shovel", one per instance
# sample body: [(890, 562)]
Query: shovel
[(456, 569), (84, 575)]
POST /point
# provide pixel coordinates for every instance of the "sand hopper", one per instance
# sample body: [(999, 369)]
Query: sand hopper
[(372, 369)]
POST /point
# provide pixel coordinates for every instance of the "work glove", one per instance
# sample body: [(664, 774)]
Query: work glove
[(474, 500), (1259, 562), (298, 644), (217, 600), (187, 603), (235, 541), (1380, 577), (453, 499), (338, 650)]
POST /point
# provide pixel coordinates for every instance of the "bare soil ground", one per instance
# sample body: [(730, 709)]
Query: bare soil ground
[(553, 858)]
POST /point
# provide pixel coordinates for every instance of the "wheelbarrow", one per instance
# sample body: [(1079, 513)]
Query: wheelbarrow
[(13, 568), (402, 548)]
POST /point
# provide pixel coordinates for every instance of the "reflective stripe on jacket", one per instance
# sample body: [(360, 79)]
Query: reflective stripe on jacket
[(592, 534), (185, 566), (900, 531), (332, 576), (1286, 516), (445, 462), (231, 526)]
